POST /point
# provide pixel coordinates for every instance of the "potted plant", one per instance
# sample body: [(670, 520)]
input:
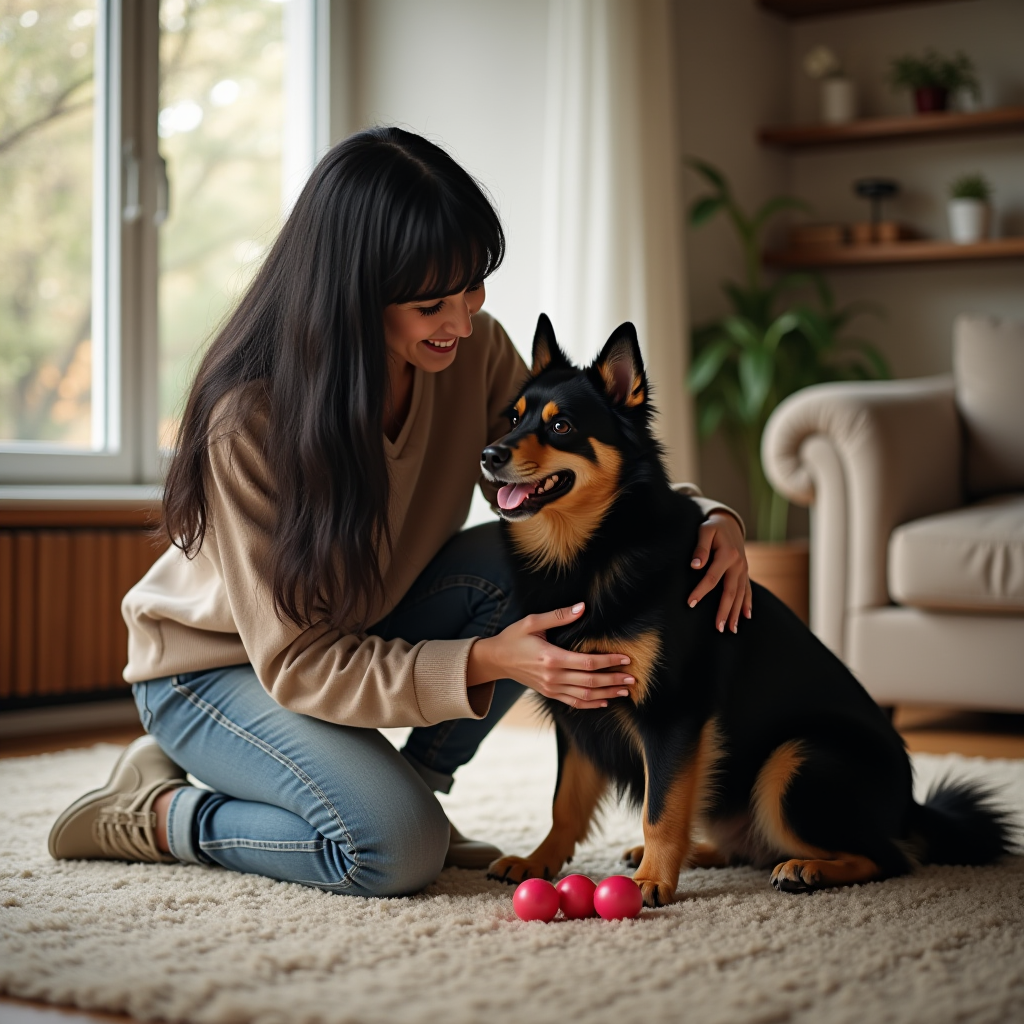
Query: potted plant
[(969, 209), (746, 362), (933, 78), (838, 97)]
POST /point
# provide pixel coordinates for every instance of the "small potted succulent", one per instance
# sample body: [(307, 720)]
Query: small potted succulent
[(934, 78), (838, 96), (969, 209)]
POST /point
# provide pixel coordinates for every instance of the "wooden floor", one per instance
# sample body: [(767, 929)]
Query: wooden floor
[(932, 730)]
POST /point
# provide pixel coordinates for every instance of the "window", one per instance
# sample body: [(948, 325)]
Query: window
[(147, 151)]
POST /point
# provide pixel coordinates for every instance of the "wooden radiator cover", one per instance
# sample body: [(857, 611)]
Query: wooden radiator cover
[(62, 576)]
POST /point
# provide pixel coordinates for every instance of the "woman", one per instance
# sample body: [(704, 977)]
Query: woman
[(325, 464)]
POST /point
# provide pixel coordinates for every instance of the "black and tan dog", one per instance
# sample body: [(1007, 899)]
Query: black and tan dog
[(763, 739)]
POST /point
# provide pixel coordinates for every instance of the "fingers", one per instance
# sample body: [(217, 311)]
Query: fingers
[(587, 696), (542, 621), (716, 570), (737, 608), (703, 549), (748, 601)]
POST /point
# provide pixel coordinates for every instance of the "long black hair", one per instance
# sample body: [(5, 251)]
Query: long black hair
[(385, 217)]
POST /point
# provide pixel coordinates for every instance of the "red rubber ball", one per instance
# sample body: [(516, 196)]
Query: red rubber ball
[(576, 893), (618, 897), (535, 900)]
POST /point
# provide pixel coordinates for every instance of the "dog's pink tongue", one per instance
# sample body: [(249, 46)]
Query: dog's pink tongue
[(513, 495)]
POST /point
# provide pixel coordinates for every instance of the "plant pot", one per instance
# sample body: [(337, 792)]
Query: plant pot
[(968, 220), (930, 98), (785, 569), (838, 100)]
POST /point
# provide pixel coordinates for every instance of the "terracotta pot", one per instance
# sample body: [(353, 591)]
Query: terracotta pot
[(785, 569), (931, 98)]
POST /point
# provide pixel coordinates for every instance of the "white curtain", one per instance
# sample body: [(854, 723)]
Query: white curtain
[(612, 210)]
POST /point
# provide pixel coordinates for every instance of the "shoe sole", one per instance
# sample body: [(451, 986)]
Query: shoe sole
[(69, 813)]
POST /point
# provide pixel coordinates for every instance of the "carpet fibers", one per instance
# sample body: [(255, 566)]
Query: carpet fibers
[(185, 943)]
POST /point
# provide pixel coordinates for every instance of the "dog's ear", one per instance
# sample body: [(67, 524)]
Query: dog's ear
[(621, 367), (545, 349)]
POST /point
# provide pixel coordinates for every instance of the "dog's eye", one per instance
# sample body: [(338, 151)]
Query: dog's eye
[(514, 418), (561, 426)]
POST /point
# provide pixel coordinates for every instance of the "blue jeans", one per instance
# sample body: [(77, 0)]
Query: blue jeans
[(332, 806)]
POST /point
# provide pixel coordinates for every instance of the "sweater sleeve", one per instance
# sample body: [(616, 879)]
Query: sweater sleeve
[(708, 505), (317, 670)]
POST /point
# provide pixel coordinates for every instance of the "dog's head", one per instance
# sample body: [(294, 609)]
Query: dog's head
[(574, 434)]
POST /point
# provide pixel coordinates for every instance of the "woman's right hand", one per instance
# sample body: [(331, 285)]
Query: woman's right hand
[(521, 652)]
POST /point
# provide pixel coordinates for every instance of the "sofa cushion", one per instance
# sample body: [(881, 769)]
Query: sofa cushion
[(971, 559), (988, 365)]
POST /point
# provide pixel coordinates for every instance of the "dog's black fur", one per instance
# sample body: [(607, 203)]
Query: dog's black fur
[(764, 738)]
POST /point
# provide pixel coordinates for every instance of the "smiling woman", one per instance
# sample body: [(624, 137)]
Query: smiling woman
[(319, 585)]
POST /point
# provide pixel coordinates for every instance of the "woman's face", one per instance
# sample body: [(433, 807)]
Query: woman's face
[(427, 333)]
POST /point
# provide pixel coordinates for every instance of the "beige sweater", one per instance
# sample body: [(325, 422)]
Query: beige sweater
[(216, 609)]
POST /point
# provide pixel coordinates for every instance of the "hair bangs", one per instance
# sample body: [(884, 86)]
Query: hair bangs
[(451, 239)]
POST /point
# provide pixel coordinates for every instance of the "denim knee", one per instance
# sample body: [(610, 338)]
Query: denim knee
[(407, 854)]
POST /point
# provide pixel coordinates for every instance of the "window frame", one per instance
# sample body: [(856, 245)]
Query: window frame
[(126, 253)]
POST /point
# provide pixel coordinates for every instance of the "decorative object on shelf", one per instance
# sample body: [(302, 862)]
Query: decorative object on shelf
[(771, 345), (880, 232), (933, 78), (813, 236), (838, 96), (875, 190), (969, 209)]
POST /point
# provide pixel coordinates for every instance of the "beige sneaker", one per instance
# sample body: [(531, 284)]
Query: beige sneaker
[(469, 853), (117, 822)]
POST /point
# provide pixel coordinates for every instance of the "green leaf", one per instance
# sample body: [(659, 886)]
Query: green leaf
[(707, 363), (778, 329), (703, 209), (742, 331), (710, 417), (710, 172), (756, 368)]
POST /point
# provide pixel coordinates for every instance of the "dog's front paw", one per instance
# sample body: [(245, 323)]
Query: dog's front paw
[(656, 893), (633, 856), (796, 876), (515, 869)]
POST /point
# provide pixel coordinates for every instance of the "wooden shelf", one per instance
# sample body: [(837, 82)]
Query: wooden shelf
[(914, 126), (815, 8), (894, 252)]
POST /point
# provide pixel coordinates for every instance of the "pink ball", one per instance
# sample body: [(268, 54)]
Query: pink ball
[(576, 894), (618, 897), (535, 900)]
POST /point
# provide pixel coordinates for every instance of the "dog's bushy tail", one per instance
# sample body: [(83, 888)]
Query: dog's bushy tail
[(962, 823)]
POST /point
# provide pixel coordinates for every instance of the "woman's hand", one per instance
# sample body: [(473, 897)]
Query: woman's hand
[(521, 652), (721, 534)]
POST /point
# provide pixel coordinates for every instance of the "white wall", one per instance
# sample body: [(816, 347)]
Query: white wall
[(732, 75), (469, 75)]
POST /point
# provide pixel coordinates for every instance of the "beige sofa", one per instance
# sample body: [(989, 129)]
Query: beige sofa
[(916, 490)]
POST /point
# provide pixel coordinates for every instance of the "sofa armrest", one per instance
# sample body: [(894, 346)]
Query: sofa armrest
[(869, 456)]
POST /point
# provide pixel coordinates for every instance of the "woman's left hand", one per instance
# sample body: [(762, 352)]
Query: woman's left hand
[(721, 538)]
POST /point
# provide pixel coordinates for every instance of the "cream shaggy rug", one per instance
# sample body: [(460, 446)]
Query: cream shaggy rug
[(184, 943)]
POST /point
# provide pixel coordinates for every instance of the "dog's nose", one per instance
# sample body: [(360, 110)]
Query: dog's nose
[(495, 456)]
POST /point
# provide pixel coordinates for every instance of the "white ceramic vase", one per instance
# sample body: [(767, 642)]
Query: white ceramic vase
[(968, 220), (838, 100)]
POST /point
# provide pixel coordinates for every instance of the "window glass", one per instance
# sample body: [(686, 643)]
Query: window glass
[(46, 193), (221, 127)]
